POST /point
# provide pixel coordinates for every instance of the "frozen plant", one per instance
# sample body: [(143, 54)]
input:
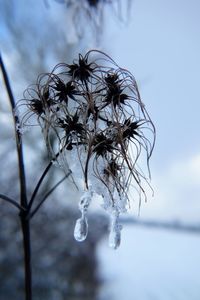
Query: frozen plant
[(95, 125)]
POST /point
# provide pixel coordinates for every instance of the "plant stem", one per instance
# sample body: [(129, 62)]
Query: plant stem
[(31, 214), (40, 181), (11, 201), (25, 224), (18, 138), (39, 184)]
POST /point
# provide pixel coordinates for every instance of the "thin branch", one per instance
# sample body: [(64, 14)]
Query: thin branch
[(47, 195), (13, 202), (17, 137), (39, 184), (40, 181)]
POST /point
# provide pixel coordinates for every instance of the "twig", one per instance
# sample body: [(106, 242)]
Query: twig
[(39, 184), (47, 195), (41, 180), (13, 202)]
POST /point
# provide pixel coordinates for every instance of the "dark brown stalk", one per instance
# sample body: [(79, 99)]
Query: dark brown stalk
[(25, 224), (11, 201), (32, 213), (22, 176), (41, 180), (39, 184)]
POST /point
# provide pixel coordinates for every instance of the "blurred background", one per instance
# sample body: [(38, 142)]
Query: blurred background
[(159, 257)]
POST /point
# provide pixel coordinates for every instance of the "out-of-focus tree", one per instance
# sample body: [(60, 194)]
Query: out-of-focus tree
[(35, 35), (61, 267)]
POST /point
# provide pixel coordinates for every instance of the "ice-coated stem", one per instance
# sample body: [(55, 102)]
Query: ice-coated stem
[(81, 227)]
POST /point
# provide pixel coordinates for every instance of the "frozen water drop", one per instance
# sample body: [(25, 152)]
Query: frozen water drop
[(81, 229), (115, 230), (115, 238), (85, 201), (21, 129)]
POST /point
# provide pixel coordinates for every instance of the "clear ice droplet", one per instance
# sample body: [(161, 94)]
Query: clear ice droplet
[(115, 238), (85, 201), (115, 231), (81, 229)]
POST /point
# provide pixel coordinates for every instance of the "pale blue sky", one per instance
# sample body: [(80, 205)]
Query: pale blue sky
[(161, 46)]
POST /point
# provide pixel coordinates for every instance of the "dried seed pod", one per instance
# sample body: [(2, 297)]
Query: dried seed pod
[(93, 113)]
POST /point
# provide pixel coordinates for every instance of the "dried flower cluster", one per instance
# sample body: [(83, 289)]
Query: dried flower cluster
[(93, 122)]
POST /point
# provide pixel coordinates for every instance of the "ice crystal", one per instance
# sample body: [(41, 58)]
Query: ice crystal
[(81, 229), (115, 231), (21, 129), (85, 201)]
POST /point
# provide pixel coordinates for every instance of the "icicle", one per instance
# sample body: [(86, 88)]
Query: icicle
[(115, 231), (81, 229), (85, 201)]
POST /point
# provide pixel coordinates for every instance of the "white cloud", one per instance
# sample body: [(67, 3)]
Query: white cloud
[(188, 171), (177, 192)]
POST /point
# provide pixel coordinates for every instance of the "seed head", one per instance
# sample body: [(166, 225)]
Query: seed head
[(93, 111)]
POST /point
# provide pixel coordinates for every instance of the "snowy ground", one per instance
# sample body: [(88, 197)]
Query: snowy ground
[(151, 264)]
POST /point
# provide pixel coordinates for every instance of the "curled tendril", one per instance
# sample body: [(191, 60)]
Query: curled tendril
[(93, 110)]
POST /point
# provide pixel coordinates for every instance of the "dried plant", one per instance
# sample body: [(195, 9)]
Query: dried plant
[(93, 110)]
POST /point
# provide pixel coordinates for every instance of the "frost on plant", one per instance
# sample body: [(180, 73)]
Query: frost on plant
[(95, 124)]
